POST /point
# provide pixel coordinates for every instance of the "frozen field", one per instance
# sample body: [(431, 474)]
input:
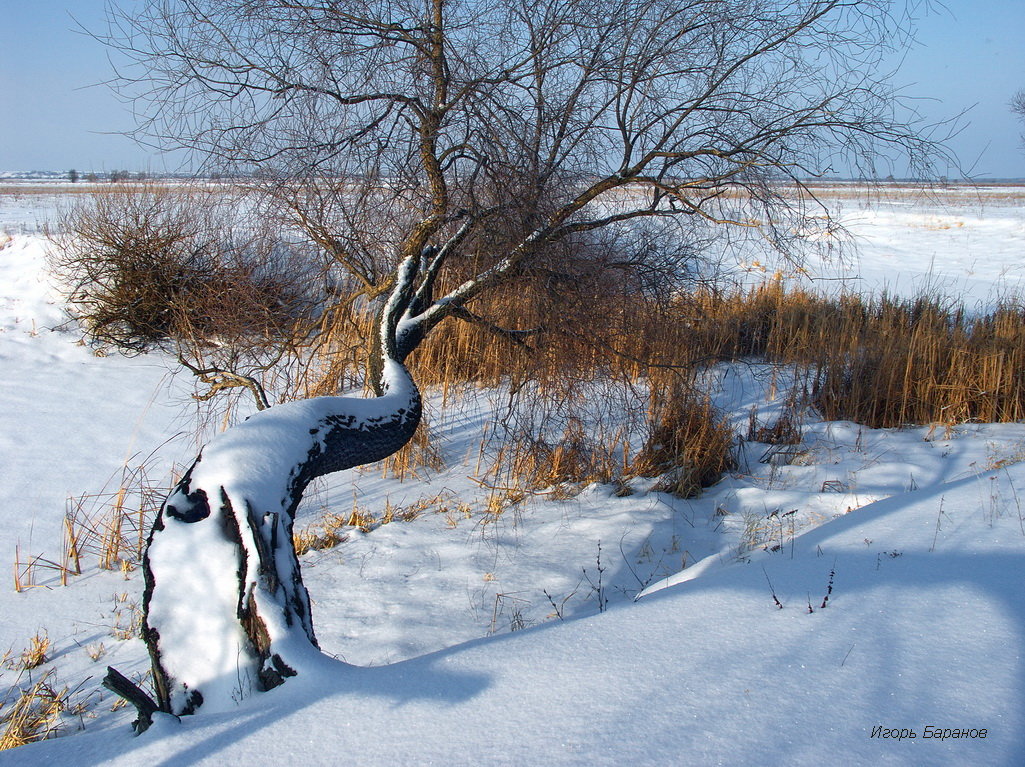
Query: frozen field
[(962, 242), (812, 613)]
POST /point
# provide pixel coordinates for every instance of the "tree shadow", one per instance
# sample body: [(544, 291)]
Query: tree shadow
[(417, 679)]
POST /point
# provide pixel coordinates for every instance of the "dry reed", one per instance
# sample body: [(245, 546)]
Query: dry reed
[(882, 361), (34, 709)]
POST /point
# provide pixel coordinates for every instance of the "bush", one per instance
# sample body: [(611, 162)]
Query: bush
[(689, 442), (146, 266)]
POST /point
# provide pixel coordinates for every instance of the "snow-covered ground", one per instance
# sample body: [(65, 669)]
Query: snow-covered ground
[(962, 242), (818, 608)]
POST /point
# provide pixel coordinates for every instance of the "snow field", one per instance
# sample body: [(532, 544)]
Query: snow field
[(516, 638)]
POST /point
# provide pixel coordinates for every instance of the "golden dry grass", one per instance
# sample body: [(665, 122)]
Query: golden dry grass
[(35, 655), (881, 361), (34, 713)]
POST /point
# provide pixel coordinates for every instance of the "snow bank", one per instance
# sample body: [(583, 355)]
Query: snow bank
[(921, 633)]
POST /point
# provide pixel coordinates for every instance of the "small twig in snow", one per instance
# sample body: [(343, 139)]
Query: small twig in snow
[(829, 586), (846, 656), (772, 590)]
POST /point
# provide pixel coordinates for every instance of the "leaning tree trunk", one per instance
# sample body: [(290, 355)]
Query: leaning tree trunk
[(225, 609)]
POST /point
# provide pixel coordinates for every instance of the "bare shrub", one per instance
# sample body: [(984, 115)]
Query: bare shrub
[(570, 314), (147, 265), (193, 270)]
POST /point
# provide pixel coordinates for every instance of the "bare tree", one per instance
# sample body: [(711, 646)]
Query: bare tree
[(1018, 107), (446, 147)]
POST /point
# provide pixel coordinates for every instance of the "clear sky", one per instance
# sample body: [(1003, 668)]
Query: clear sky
[(970, 55)]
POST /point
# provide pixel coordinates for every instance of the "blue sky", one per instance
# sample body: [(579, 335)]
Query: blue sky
[(970, 54)]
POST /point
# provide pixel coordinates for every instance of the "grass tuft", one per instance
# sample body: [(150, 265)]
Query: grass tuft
[(35, 655), (32, 710)]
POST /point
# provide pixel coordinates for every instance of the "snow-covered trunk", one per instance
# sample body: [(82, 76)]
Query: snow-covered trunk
[(225, 609)]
